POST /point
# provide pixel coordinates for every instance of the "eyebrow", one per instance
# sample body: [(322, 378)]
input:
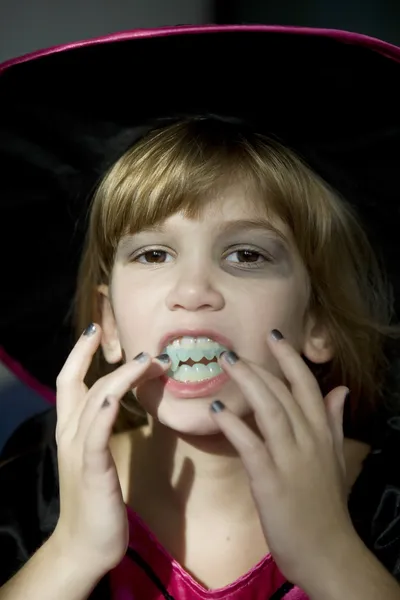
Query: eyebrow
[(227, 227), (261, 224)]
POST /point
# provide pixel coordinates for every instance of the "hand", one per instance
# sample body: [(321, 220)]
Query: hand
[(296, 469), (93, 527)]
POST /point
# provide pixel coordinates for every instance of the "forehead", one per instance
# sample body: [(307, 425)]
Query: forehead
[(229, 211), (240, 203)]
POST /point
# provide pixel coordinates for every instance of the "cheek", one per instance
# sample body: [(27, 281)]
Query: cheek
[(139, 309), (283, 302), (279, 307), (134, 312)]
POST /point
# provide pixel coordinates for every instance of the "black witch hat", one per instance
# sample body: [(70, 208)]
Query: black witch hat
[(67, 113)]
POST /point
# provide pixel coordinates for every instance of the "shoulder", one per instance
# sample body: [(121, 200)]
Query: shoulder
[(374, 502)]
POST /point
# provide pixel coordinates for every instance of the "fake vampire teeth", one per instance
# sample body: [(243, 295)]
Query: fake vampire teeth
[(194, 359)]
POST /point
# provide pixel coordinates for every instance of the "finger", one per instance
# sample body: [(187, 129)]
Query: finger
[(96, 452), (162, 360), (304, 386), (70, 381), (279, 388), (334, 404), (127, 376), (253, 452), (272, 418), (117, 384)]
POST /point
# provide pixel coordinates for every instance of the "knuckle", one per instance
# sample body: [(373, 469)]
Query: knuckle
[(61, 380), (309, 444), (258, 467), (59, 431), (277, 411), (329, 440), (63, 438), (64, 378), (94, 460), (254, 447), (260, 483)]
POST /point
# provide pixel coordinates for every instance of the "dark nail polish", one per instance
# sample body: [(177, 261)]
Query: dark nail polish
[(106, 403), (217, 406), (276, 335), (230, 357), (141, 357), (163, 358), (90, 330)]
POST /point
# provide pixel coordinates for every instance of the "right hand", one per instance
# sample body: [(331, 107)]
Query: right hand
[(93, 526)]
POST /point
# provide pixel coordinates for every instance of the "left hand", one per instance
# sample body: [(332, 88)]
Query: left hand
[(297, 468)]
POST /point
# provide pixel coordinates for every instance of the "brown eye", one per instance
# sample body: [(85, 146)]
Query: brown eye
[(152, 257), (248, 256)]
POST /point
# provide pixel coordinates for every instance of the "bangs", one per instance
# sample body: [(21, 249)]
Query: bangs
[(184, 167)]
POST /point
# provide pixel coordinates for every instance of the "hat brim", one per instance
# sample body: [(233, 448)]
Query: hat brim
[(68, 112)]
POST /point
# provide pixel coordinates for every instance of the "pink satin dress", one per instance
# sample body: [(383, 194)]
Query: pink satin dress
[(149, 572)]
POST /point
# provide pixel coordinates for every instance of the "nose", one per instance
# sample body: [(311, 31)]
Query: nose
[(196, 288)]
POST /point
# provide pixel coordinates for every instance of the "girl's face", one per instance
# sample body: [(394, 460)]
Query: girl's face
[(222, 281)]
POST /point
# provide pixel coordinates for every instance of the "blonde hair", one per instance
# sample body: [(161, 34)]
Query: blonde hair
[(180, 168)]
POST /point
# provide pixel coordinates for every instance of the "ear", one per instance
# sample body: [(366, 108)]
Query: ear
[(110, 339), (317, 345)]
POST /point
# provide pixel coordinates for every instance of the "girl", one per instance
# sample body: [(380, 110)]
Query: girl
[(234, 300)]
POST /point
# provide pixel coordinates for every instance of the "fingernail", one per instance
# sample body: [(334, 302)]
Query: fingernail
[(90, 330), (141, 357), (230, 357), (163, 358), (276, 335), (217, 406)]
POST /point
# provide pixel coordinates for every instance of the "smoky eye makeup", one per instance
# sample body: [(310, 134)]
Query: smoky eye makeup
[(276, 257), (261, 240), (129, 245)]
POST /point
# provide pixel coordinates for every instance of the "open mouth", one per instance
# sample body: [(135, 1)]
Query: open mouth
[(194, 359)]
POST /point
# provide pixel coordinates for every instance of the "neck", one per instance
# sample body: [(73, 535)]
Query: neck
[(197, 475)]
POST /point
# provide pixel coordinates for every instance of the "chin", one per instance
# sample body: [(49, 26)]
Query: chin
[(190, 416)]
